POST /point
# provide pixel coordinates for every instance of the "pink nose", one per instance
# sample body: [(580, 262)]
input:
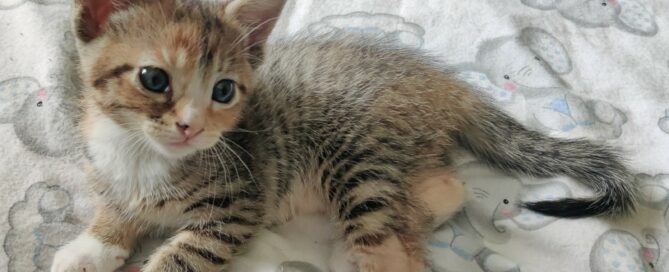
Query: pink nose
[(648, 255), (613, 2), (509, 87), (187, 130), (507, 213), (42, 93), (134, 268)]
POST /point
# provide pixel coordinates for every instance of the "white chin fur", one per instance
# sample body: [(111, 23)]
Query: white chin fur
[(171, 152)]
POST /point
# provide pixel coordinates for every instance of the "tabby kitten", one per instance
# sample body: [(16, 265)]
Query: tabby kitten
[(191, 125)]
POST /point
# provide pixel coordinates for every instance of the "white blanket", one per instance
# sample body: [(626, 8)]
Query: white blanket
[(572, 68)]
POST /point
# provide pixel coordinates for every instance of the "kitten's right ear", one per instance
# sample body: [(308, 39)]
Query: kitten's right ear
[(92, 15), (258, 17)]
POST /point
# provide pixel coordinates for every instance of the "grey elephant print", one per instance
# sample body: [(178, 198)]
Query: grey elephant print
[(622, 251), (387, 25), (492, 208), (43, 117), (619, 250), (522, 75), (10, 4), (626, 15), (663, 123), (67, 45), (39, 224), (654, 190), (655, 193)]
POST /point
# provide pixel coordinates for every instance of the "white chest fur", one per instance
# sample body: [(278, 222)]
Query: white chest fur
[(134, 170)]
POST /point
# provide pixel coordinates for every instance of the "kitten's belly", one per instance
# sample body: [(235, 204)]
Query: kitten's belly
[(304, 198), (169, 217)]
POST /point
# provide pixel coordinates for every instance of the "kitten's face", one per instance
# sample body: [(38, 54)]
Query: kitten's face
[(175, 76)]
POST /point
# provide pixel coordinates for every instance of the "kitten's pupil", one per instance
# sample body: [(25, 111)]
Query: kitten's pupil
[(604, 4), (507, 77), (154, 79), (506, 201), (224, 91)]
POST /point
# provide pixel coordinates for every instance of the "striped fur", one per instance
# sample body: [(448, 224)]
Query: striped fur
[(349, 126)]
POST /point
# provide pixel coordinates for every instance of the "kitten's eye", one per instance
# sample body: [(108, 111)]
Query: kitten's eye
[(537, 58), (506, 201), (604, 4), (224, 91), (507, 77), (154, 79)]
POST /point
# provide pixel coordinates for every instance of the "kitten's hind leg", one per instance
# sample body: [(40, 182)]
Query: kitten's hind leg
[(395, 253), (385, 229), (439, 192)]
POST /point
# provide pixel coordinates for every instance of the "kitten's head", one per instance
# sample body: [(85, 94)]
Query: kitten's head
[(175, 73)]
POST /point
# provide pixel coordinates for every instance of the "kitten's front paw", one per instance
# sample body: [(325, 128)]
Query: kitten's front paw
[(87, 254)]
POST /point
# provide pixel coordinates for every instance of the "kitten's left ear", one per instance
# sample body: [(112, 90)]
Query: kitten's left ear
[(256, 16), (92, 15)]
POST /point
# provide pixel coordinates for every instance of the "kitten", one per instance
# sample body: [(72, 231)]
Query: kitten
[(192, 125)]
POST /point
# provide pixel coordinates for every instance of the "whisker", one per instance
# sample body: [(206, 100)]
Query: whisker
[(237, 145)]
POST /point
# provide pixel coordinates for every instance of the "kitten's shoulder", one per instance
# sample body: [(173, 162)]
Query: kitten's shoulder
[(339, 41), (342, 52)]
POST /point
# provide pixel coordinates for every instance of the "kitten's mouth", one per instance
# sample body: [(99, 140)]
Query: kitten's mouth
[(185, 141)]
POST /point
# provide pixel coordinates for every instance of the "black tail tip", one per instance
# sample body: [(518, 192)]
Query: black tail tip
[(580, 208)]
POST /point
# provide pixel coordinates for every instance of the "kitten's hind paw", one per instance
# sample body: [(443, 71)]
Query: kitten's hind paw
[(389, 256)]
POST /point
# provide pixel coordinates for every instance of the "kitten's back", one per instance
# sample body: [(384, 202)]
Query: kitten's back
[(373, 77)]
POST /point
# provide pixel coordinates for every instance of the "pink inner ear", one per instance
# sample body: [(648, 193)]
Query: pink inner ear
[(259, 16), (96, 13), (648, 255), (261, 32)]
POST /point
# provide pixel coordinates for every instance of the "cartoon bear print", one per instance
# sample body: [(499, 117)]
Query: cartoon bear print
[(663, 123), (386, 25), (522, 75), (39, 224), (492, 207), (626, 15), (43, 117), (622, 251), (11, 4)]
